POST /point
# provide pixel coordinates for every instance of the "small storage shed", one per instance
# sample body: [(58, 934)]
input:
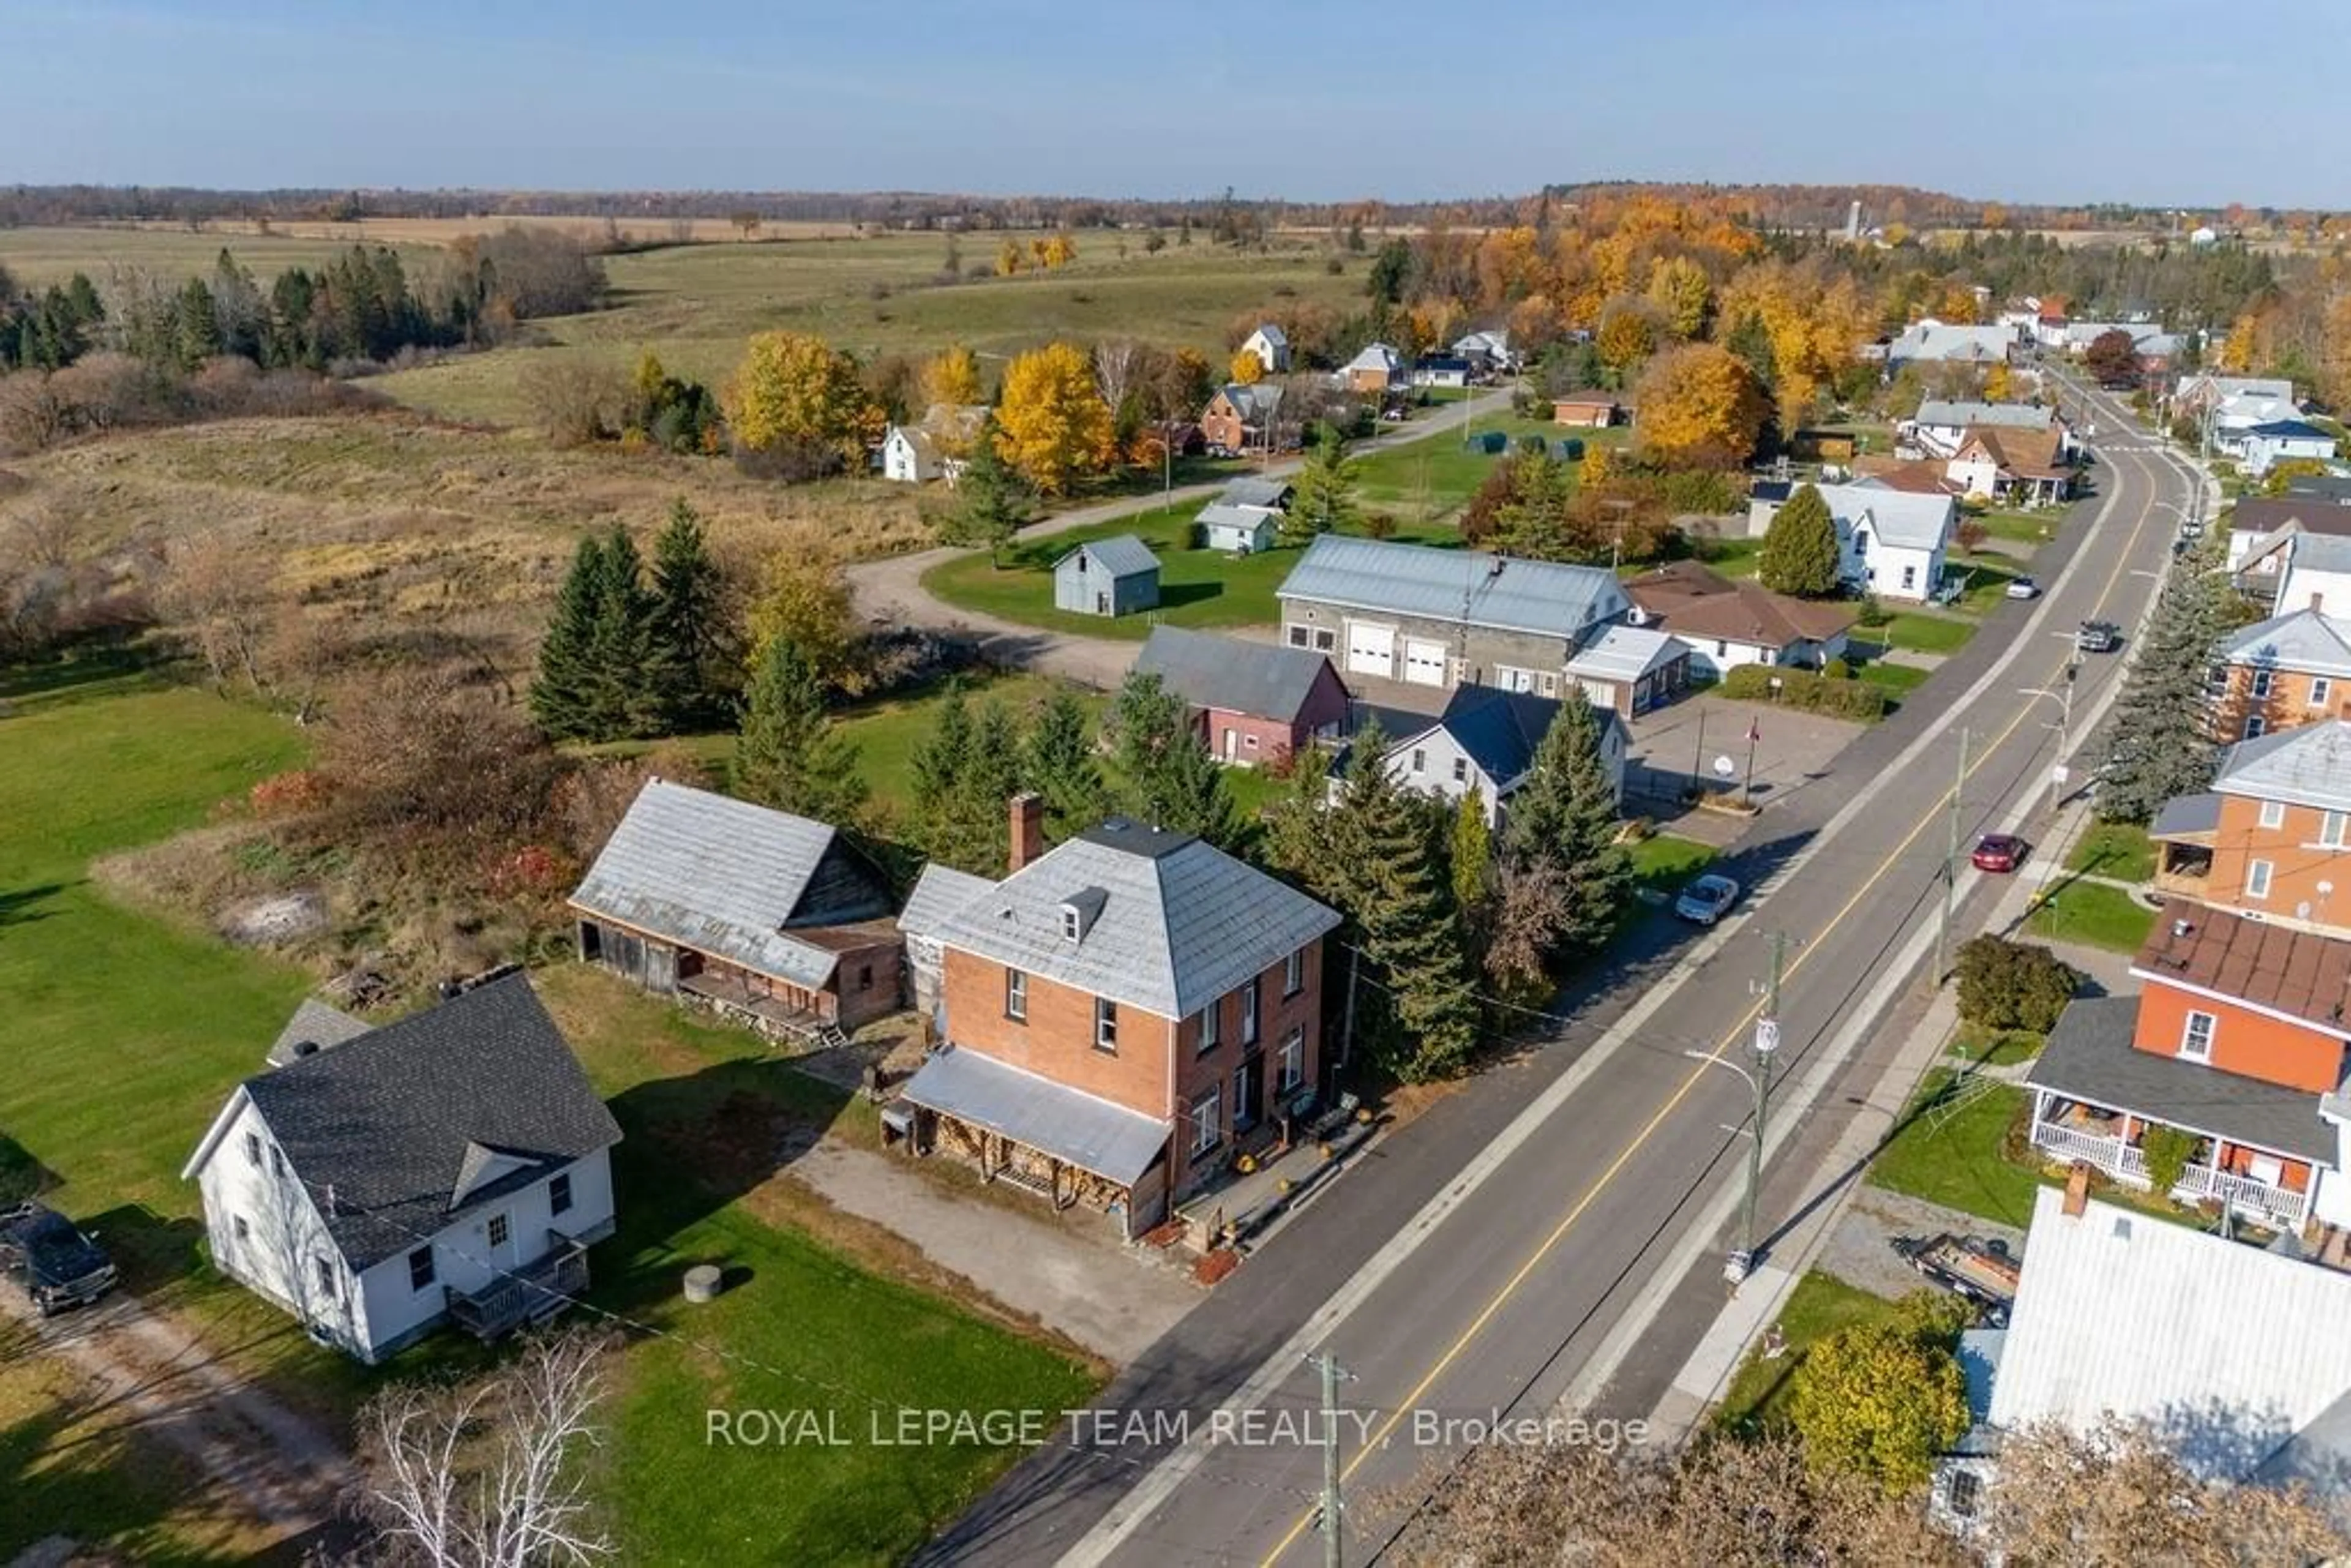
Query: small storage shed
[(1117, 576)]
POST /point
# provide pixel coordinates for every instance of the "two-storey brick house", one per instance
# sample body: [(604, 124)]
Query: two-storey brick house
[(2290, 670), (2271, 839), (1121, 1016)]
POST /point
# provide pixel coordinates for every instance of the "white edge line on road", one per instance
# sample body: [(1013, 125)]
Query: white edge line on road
[(1130, 1512)]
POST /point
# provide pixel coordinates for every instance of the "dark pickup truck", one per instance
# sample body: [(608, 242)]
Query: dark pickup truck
[(53, 1262)]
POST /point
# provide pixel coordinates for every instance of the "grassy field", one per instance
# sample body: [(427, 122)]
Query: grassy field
[(41, 256), (1819, 1306), (1946, 1149), (2119, 849), (1900, 680), (1201, 588), (2022, 527), (2093, 913), (1432, 479), (696, 305), (1662, 863), (1924, 632), (124, 1034)]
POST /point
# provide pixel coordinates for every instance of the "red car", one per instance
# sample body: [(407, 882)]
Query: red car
[(1998, 851)]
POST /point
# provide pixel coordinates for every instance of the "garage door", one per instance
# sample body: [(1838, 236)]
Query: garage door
[(1371, 650), (1423, 663)]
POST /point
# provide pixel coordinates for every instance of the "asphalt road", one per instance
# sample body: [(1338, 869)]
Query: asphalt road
[(1478, 1260)]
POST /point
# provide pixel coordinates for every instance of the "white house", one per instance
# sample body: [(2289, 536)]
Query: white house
[(2205, 390), (933, 448), (1488, 350), (1930, 341), (450, 1167), (2317, 574), (1485, 743), (1271, 348), (2234, 418), (1442, 370), (1940, 427), (1891, 542), (2285, 441)]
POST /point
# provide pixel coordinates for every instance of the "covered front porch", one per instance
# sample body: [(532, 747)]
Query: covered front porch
[(2184, 832), (2252, 1146), (1061, 1143), (768, 1008)]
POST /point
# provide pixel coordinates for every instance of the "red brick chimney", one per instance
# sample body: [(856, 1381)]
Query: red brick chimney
[(2077, 1191), (1028, 827)]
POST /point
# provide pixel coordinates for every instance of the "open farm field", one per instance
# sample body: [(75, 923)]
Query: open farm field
[(40, 256), (695, 306)]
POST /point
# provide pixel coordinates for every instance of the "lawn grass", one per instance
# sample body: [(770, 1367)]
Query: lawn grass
[(1662, 863), (887, 734), (1946, 1149), (1988, 578), (1899, 679), (1926, 633), (1732, 558), (1995, 1048), (2022, 527), (2119, 849), (1432, 479), (1819, 1306), (2091, 913), (1201, 588)]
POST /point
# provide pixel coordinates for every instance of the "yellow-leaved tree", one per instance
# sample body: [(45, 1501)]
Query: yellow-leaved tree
[(1697, 406), (1683, 293), (952, 378), (1009, 258), (1245, 368), (1999, 386), (1058, 252), (795, 393), (1627, 335), (1879, 1399), (804, 599), (1051, 424)]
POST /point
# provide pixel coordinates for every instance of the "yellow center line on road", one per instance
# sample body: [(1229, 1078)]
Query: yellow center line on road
[(1379, 1436)]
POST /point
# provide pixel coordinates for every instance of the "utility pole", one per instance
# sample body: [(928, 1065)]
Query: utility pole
[(1347, 1022), (1951, 868), (1767, 1040), (1328, 1365)]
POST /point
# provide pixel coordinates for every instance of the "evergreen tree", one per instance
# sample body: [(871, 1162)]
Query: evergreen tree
[(1325, 493), (559, 694), (688, 655), (1751, 341), (1390, 883), (992, 500), (1169, 778), (1565, 815), (991, 778), (1060, 766), (2161, 743), (620, 702), (1472, 856), (1800, 549), (938, 765), (195, 329), (789, 756)]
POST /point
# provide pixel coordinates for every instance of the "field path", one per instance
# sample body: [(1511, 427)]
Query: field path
[(149, 1373), (891, 589)]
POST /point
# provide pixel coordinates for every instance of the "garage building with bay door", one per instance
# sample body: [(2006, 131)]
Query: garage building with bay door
[(1445, 618)]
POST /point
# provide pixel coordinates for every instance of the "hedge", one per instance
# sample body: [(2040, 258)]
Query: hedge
[(1806, 690)]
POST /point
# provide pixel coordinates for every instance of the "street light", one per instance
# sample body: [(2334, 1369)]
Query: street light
[(1766, 1040), (2064, 727)]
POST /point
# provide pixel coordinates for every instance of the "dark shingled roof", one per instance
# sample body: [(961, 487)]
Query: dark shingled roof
[(1227, 673), (395, 1119), (2090, 1057), (2298, 973), (2267, 514)]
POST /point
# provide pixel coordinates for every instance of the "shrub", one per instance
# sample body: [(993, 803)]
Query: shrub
[(291, 794), (2013, 984), (1874, 612), (2168, 1152), (1972, 534), (1836, 670), (1807, 692), (1379, 525)]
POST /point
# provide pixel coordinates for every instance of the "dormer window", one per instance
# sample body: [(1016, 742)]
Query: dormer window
[(1073, 928), (1079, 912)]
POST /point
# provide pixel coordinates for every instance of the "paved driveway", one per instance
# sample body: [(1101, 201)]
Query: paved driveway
[(1793, 752)]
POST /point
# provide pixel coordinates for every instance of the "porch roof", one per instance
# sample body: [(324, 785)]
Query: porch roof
[(1110, 1141), (2090, 1057), (2188, 818)]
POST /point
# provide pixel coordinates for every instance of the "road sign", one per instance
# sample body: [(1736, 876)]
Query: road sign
[(1724, 768), (1767, 1036), (2061, 773)]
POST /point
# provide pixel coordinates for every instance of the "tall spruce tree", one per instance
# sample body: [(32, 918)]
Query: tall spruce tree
[(1565, 815), (992, 500), (1170, 780), (1324, 497), (1472, 853), (559, 694), (1061, 765), (688, 655), (2159, 740), (992, 776), (789, 755), (1800, 549), (1392, 885), (939, 764), (620, 702)]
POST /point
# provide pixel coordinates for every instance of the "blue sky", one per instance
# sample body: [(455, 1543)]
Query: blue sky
[(2153, 101)]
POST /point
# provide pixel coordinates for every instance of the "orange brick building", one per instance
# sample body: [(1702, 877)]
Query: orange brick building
[(1122, 1017), (2272, 839), (2282, 672)]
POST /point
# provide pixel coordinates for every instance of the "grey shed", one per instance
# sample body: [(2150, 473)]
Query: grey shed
[(1117, 576)]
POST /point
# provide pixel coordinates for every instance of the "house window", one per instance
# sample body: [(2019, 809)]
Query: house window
[(1106, 1025), (2272, 814), (1293, 1062), (1909, 577), (2196, 1037), (2254, 727), (1298, 636), (1212, 1025), (1293, 973), (253, 1150), (420, 1268), (324, 1272), (559, 1194), (499, 1230), (1721, 649), (1207, 1112), (1420, 760), (1461, 770), (1016, 996), (1550, 684), (2262, 679), (1069, 923), (277, 1162), (1963, 1495), (2330, 829), (1325, 640), (2257, 879), (1248, 1012), (2321, 688), (244, 1231), (865, 976)]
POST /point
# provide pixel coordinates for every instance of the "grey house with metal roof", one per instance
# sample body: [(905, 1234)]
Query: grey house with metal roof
[(772, 919), (1124, 1016), (1117, 576), (450, 1167), (1443, 617)]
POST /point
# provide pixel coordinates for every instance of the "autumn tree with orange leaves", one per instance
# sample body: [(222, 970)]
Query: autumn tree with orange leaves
[(1698, 406)]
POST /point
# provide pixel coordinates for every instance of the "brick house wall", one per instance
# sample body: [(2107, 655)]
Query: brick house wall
[(2244, 1042), (2287, 872), (1199, 1075), (2285, 699), (1221, 426)]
